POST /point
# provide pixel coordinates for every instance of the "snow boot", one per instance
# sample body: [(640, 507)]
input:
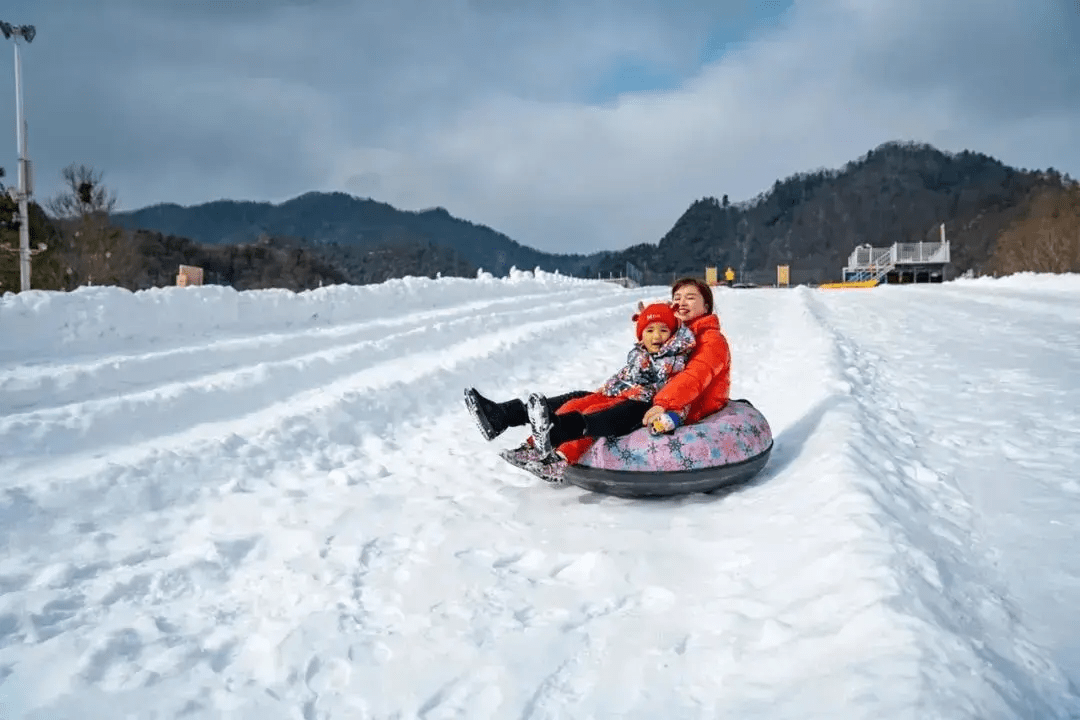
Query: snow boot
[(522, 455), (550, 429), (550, 469), (491, 417), (540, 423)]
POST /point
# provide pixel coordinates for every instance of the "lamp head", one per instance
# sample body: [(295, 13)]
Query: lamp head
[(26, 32)]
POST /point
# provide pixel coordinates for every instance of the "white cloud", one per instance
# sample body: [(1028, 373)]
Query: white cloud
[(488, 108), (836, 80)]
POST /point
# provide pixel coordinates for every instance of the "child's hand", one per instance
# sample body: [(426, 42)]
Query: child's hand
[(651, 414), (665, 423)]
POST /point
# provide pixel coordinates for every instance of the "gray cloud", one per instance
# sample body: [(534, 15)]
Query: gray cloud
[(489, 107)]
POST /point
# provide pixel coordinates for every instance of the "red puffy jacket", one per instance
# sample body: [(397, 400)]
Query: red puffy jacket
[(705, 384)]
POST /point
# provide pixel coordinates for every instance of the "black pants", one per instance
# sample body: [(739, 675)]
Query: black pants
[(516, 415), (621, 419)]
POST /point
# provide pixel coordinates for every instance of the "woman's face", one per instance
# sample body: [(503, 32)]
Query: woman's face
[(687, 303)]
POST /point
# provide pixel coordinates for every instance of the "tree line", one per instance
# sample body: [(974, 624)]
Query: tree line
[(1045, 237), (82, 247), (1033, 226)]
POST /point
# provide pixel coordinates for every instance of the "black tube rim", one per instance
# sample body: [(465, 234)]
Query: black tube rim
[(652, 483)]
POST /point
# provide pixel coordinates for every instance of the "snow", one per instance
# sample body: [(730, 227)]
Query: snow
[(274, 505)]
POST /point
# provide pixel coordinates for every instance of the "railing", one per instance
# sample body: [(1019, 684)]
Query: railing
[(865, 256), (900, 253), (922, 252), (874, 272), (869, 263)]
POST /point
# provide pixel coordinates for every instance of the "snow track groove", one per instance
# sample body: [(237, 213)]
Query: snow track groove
[(55, 385), (954, 599), (174, 414)]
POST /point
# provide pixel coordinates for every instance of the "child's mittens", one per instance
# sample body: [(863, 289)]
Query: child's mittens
[(665, 423)]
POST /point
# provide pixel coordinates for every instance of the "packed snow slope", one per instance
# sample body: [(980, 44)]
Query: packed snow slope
[(268, 505)]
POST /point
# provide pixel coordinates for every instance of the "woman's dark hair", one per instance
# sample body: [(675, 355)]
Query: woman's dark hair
[(703, 288)]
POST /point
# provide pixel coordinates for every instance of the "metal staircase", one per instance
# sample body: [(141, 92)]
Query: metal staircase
[(869, 263)]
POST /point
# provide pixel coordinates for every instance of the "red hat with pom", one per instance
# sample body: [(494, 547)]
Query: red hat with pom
[(657, 312)]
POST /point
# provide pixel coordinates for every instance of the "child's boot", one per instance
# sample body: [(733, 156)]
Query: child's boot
[(522, 455), (491, 417), (550, 430), (552, 469), (540, 423)]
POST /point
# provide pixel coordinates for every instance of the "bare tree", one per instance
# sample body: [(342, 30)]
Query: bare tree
[(95, 251), (1046, 238), (85, 195)]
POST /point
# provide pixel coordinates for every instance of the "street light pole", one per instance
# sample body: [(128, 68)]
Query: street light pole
[(26, 32)]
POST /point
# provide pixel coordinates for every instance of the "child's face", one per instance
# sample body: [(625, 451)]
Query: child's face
[(654, 336)]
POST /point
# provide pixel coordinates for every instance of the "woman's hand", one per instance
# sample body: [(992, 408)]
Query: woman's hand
[(651, 414)]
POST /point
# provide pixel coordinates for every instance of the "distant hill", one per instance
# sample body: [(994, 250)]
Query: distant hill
[(898, 192), (344, 225)]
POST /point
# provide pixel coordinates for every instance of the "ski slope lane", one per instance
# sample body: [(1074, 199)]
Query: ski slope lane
[(326, 535), (970, 405)]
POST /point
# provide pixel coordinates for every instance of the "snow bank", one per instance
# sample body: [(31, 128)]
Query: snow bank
[(1069, 282), (48, 324)]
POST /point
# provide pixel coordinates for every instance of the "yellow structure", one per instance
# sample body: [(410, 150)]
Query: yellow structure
[(783, 275), (729, 276), (710, 276), (859, 285)]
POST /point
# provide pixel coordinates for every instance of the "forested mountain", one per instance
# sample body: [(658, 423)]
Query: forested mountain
[(348, 224), (899, 192), (998, 219)]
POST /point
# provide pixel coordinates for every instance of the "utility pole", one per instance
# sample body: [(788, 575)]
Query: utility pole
[(26, 32)]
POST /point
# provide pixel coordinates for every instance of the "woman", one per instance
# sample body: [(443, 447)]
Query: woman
[(705, 384), (700, 389)]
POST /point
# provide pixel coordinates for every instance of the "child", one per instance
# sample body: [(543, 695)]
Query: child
[(619, 405)]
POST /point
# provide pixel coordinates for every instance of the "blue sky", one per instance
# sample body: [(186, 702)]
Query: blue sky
[(734, 25), (570, 125)]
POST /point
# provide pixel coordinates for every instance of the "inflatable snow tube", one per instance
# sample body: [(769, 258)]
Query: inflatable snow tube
[(726, 448)]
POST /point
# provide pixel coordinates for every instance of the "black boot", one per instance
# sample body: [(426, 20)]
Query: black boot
[(493, 418)]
